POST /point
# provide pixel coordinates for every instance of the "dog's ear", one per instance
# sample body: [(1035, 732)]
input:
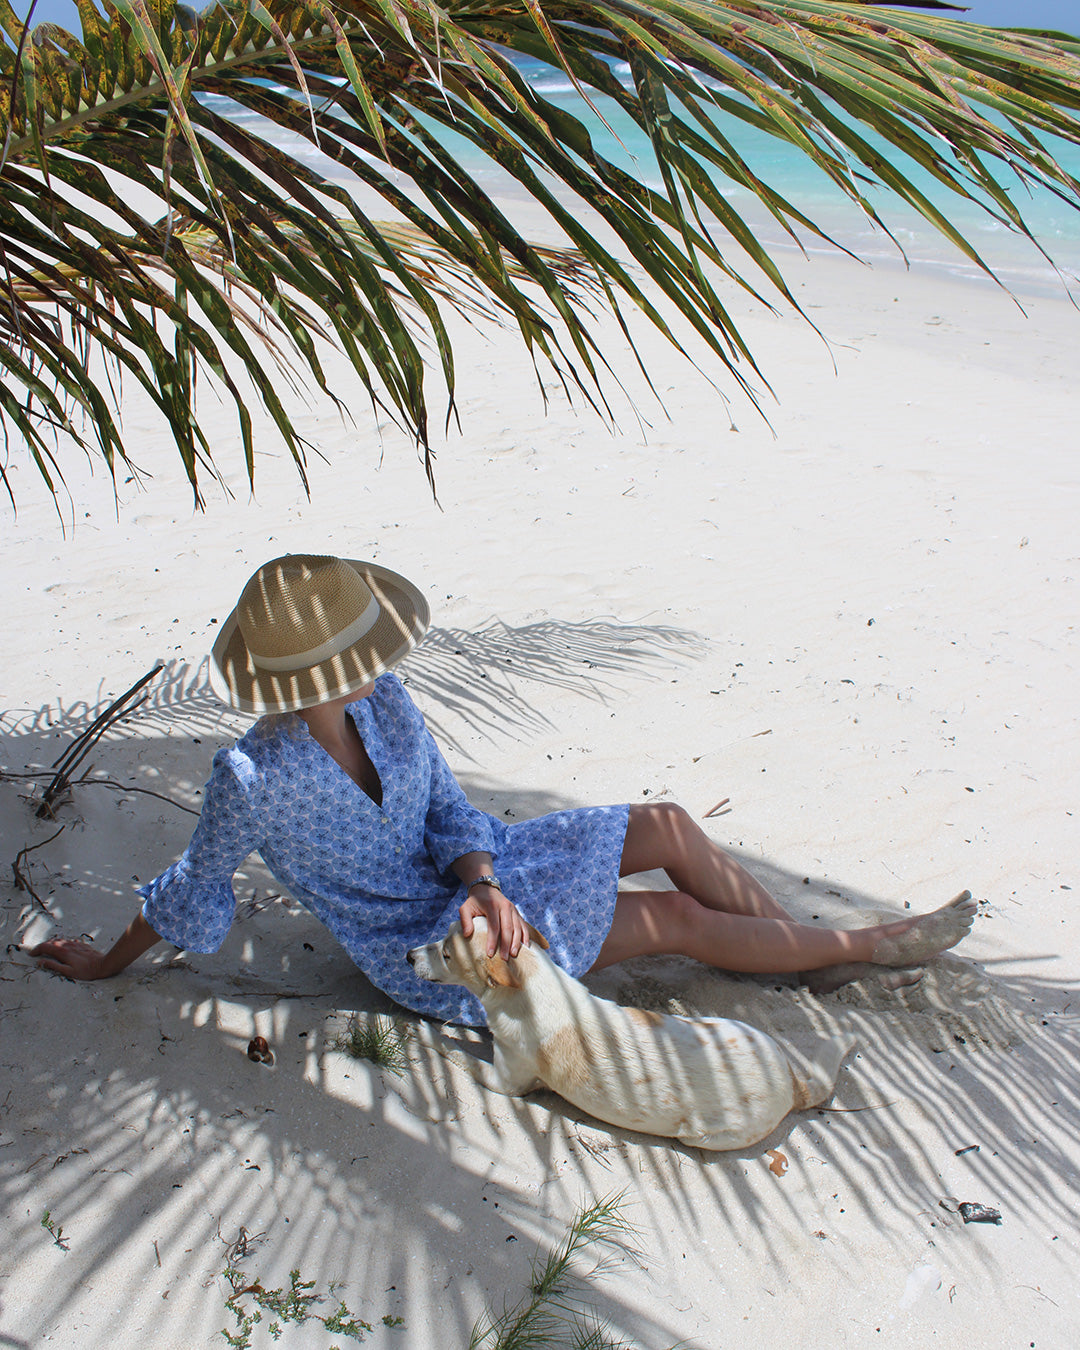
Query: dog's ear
[(499, 975), (537, 937)]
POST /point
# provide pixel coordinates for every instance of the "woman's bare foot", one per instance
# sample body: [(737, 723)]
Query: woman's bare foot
[(831, 978), (912, 941)]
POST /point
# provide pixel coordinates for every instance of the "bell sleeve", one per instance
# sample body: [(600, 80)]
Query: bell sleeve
[(453, 826), (191, 904)]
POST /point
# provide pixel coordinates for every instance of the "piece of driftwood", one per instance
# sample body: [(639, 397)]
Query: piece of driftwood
[(77, 751), (22, 879)]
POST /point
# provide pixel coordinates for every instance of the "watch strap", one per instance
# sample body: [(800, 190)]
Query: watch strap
[(486, 881)]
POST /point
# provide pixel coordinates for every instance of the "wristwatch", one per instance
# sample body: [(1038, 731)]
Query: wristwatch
[(486, 881)]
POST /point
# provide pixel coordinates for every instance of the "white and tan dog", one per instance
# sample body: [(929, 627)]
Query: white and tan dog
[(711, 1082)]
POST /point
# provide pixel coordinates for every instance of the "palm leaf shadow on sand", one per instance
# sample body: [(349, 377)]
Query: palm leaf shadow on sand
[(477, 675), (381, 1181), (966, 1057), (191, 1138)]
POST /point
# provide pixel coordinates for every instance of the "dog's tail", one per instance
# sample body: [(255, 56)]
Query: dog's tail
[(813, 1081)]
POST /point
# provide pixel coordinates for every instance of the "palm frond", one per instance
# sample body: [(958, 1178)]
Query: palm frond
[(253, 249)]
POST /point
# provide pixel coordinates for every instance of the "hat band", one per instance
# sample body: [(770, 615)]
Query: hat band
[(333, 646)]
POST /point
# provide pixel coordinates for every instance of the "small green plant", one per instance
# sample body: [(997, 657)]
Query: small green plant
[(57, 1232), (378, 1039), (250, 1299), (551, 1314)]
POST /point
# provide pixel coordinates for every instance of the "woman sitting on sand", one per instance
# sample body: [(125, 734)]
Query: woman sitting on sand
[(345, 795)]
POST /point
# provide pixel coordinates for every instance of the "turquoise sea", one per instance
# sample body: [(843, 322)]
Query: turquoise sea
[(1018, 262)]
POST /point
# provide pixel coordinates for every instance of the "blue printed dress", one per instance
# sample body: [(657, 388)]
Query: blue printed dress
[(379, 877)]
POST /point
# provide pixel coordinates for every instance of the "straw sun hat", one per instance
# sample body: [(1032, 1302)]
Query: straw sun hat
[(308, 629)]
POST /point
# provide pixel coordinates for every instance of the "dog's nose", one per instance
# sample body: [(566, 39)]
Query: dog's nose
[(411, 958)]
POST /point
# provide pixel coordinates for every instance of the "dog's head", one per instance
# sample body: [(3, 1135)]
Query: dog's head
[(465, 961)]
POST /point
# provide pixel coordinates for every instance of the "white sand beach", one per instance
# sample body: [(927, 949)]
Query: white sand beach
[(860, 625)]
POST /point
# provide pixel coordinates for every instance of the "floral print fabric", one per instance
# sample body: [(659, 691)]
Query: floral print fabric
[(377, 875)]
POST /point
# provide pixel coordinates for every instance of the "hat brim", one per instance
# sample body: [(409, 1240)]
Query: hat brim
[(403, 620)]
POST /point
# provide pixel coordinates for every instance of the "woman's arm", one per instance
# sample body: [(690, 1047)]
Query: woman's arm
[(506, 927), (453, 827), (79, 961), (192, 903)]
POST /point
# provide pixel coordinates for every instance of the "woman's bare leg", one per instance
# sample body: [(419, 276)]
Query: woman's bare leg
[(663, 835), (722, 916), (648, 923)]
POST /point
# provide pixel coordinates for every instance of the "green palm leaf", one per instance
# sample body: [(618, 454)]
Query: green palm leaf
[(251, 255)]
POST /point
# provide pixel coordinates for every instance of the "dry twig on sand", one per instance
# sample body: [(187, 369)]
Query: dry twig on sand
[(22, 879), (78, 750)]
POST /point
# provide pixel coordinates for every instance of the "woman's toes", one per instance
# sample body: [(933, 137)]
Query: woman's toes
[(928, 935)]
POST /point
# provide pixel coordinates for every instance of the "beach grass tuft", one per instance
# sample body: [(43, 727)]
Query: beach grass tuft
[(552, 1313), (377, 1039)]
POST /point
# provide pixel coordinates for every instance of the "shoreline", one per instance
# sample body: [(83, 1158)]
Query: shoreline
[(1008, 253)]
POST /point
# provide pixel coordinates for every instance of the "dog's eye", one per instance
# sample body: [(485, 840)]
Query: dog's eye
[(446, 952)]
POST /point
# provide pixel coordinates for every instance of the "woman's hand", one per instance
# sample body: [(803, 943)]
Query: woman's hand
[(71, 957), (77, 960), (506, 928)]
